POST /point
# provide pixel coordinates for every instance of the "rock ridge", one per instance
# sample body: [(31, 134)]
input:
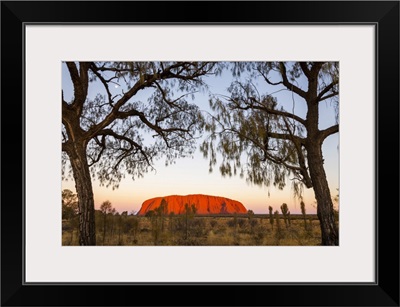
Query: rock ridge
[(205, 204)]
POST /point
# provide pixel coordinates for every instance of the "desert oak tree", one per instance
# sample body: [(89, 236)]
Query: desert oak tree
[(121, 131), (278, 143)]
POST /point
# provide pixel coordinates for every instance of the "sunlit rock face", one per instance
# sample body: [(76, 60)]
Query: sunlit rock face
[(205, 204)]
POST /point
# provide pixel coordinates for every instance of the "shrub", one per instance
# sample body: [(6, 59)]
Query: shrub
[(242, 222), (213, 223), (285, 213), (271, 216)]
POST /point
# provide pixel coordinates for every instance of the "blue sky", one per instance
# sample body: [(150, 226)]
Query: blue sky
[(191, 175)]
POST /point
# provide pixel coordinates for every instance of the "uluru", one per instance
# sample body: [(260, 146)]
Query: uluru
[(205, 204)]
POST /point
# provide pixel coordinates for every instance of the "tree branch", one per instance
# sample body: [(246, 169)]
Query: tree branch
[(329, 131), (80, 82), (105, 82), (170, 102), (297, 142), (102, 144), (250, 105), (303, 176), (132, 143), (305, 69), (114, 114), (267, 80), (159, 130), (326, 90), (285, 136), (315, 68), (289, 85), (148, 81)]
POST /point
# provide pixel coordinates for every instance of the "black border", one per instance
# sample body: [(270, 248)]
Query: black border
[(383, 14)]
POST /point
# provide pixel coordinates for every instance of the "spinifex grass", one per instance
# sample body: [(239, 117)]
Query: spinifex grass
[(222, 230)]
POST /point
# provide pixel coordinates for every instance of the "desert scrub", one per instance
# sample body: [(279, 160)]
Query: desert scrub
[(203, 230), (271, 216), (258, 235)]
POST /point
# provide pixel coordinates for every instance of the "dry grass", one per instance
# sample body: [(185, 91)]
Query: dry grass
[(202, 231)]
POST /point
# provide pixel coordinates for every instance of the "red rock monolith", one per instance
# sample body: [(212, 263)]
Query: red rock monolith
[(205, 204)]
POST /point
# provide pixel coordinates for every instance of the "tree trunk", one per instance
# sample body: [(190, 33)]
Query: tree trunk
[(329, 230), (83, 185), (104, 228)]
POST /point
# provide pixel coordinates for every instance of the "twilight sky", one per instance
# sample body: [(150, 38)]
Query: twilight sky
[(191, 175)]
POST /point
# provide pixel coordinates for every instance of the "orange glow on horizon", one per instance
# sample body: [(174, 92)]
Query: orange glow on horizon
[(123, 199)]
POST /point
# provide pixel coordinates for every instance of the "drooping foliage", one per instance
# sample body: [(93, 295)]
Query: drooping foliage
[(117, 105), (272, 141), (122, 116), (261, 138)]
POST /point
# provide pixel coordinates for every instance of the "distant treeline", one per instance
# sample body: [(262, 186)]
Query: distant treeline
[(160, 227), (256, 215)]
